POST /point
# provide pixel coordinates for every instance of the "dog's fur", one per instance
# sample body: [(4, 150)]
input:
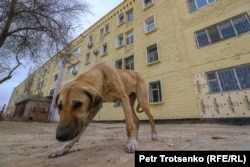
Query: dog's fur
[(79, 101)]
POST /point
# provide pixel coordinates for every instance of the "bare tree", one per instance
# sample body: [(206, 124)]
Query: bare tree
[(31, 30)]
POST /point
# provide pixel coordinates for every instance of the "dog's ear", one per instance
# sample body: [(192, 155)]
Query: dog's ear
[(94, 96)]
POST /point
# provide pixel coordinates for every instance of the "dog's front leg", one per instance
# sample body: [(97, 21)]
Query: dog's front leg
[(132, 145), (65, 148)]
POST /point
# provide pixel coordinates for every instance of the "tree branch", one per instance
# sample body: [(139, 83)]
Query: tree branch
[(9, 76), (6, 28)]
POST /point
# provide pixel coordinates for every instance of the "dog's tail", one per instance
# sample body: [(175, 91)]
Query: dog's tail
[(139, 109)]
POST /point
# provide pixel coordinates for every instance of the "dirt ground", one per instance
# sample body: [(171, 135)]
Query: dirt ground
[(102, 144)]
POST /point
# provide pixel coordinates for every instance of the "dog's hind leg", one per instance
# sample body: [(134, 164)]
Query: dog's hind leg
[(142, 97), (65, 148), (132, 98)]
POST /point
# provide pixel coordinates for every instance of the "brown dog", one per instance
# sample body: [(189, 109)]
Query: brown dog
[(79, 101)]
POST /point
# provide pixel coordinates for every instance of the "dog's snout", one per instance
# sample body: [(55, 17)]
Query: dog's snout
[(62, 135), (67, 130)]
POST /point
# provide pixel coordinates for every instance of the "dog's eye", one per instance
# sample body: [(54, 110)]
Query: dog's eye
[(59, 106), (77, 105)]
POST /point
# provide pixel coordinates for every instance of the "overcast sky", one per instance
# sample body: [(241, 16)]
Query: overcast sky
[(98, 8)]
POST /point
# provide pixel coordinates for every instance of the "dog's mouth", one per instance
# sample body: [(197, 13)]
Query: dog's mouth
[(66, 132)]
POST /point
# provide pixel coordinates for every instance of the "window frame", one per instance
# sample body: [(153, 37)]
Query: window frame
[(104, 49), (222, 36), (87, 58), (120, 19), (130, 37), (74, 67), (149, 24), (146, 5), (130, 15), (159, 92), (76, 51), (148, 55), (236, 79), (119, 40), (196, 5), (129, 62)]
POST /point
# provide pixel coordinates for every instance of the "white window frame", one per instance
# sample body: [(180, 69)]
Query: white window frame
[(119, 40), (148, 55), (130, 65), (130, 37), (130, 12), (106, 28), (90, 41), (73, 69), (206, 31), (150, 21), (120, 19), (87, 58), (196, 5), (103, 50), (76, 51), (158, 89)]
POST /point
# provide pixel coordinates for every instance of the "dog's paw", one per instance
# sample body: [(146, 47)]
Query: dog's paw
[(131, 146), (58, 152), (154, 136)]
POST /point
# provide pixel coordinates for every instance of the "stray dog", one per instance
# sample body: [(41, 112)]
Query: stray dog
[(79, 101)]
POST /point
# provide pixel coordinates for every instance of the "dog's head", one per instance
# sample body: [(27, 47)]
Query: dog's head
[(74, 103)]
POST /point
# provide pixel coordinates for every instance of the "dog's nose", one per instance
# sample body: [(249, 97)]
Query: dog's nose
[(62, 135)]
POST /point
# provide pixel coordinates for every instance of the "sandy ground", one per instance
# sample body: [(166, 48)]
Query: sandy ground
[(102, 144)]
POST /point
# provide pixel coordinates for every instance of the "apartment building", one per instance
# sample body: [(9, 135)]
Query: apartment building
[(193, 54)]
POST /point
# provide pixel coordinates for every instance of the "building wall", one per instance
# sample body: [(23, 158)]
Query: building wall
[(181, 64)]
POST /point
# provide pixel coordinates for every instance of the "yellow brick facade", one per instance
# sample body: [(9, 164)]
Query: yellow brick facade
[(180, 62)]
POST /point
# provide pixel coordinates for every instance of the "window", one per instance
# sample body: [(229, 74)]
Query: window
[(73, 69), (130, 37), (104, 49), (40, 84), (129, 63), (119, 40), (120, 18), (147, 3), (117, 104), (55, 77), (90, 42), (87, 58), (241, 24), (76, 51), (106, 28), (226, 29), (118, 64), (155, 94), (149, 24), (235, 78), (130, 15), (197, 4), (51, 93), (152, 54)]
